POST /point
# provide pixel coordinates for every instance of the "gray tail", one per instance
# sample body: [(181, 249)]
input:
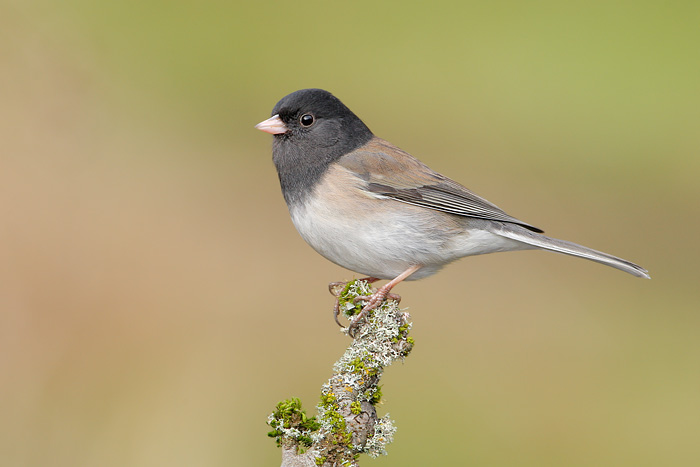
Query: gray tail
[(568, 248)]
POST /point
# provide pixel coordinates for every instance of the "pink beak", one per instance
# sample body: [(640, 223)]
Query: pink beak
[(273, 125)]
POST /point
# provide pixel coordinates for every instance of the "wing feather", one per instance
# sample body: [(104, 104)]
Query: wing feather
[(387, 171)]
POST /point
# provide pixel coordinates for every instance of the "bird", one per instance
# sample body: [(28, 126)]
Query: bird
[(374, 209)]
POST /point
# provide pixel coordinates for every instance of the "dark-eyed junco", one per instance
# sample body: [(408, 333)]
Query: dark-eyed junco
[(370, 207)]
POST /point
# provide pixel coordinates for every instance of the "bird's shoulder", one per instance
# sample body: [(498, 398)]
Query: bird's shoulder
[(379, 161)]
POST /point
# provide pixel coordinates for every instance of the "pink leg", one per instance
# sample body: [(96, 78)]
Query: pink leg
[(374, 300)]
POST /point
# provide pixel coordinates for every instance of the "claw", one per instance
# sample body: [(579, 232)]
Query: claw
[(374, 300), (371, 301), (336, 313), (394, 296), (335, 288)]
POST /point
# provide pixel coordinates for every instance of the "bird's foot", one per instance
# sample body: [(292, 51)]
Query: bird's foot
[(371, 302), (336, 288)]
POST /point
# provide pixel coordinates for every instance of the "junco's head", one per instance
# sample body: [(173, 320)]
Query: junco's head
[(316, 124), (312, 129)]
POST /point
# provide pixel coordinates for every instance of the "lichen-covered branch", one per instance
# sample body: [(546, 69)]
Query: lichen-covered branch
[(347, 424)]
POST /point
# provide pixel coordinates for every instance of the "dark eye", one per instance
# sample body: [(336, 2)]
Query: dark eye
[(306, 120)]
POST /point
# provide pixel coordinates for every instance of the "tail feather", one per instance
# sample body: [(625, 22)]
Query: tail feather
[(569, 248)]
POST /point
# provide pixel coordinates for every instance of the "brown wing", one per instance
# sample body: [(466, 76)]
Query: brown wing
[(390, 172)]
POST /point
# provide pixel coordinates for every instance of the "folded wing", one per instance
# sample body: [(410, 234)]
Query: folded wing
[(389, 172)]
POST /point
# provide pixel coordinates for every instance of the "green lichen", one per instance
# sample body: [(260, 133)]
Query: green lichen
[(375, 397), (338, 448), (363, 366), (357, 365), (291, 425), (346, 301), (332, 417)]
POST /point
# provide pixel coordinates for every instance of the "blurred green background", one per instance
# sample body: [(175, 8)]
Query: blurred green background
[(156, 301)]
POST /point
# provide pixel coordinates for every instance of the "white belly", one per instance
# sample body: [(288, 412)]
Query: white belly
[(384, 246)]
